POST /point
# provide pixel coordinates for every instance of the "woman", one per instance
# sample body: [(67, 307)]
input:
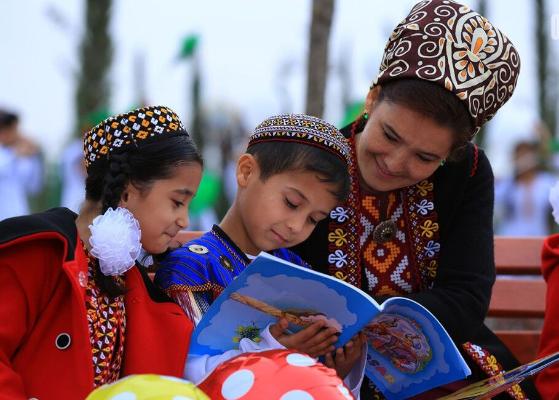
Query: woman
[(418, 222), (76, 309)]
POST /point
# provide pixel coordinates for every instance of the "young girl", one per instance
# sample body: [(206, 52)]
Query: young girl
[(293, 173), (76, 309)]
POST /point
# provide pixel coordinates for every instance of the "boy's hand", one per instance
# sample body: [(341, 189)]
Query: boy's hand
[(345, 357), (314, 340)]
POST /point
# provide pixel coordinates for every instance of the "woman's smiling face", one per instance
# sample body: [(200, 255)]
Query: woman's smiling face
[(399, 147)]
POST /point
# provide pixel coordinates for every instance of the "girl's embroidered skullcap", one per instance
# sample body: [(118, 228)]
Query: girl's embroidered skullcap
[(133, 128)]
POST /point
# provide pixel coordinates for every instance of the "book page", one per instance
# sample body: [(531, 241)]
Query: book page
[(409, 352)]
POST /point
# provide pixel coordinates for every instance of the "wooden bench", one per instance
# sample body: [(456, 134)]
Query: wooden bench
[(518, 294)]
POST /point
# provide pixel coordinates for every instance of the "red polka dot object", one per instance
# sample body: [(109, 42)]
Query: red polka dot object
[(274, 375)]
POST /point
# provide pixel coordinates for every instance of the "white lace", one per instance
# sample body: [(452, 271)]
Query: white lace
[(115, 241)]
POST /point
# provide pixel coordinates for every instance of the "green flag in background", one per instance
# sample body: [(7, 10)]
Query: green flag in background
[(208, 193), (189, 45), (352, 111)]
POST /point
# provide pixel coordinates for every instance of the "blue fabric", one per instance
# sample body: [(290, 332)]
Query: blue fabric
[(204, 272)]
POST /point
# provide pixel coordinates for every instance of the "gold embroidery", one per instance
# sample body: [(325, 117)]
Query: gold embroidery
[(429, 228), (424, 187), (338, 237), (340, 275)]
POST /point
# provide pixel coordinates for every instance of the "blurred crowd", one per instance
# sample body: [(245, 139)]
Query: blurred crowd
[(521, 197), (29, 183)]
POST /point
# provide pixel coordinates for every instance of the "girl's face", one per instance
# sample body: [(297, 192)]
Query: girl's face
[(399, 147), (281, 211), (162, 210)]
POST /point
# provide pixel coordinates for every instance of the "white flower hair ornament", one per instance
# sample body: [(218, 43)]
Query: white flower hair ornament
[(115, 241), (554, 200)]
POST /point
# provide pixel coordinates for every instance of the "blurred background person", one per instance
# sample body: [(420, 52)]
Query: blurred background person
[(521, 200), (72, 172), (21, 167)]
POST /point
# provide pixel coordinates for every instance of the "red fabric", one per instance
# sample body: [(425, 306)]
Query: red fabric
[(157, 334), (41, 297), (547, 381)]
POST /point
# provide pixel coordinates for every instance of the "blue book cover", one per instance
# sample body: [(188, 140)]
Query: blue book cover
[(409, 351)]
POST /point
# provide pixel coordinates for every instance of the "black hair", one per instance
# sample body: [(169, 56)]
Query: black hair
[(277, 157), (436, 102), (7, 119), (140, 166)]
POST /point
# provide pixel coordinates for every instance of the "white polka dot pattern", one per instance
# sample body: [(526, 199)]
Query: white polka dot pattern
[(274, 374), (297, 395), (300, 360), (237, 384)]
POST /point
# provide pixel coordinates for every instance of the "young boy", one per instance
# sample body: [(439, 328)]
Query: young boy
[(293, 173)]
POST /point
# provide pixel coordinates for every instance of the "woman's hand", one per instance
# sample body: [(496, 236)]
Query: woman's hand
[(315, 340), (345, 357)]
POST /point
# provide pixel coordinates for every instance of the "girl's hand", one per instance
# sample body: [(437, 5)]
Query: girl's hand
[(344, 359), (314, 340)]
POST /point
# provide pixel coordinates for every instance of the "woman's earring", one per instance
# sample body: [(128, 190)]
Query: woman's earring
[(443, 161), (365, 115)]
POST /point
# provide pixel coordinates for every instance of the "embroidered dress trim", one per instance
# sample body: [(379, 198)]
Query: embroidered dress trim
[(106, 320), (490, 366)]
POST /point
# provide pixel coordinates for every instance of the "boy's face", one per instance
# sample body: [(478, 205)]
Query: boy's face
[(283, 210)]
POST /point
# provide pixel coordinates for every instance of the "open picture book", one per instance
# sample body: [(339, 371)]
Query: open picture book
[(409, 351)]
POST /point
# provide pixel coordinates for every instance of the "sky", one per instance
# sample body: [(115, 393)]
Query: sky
[(244, 47)]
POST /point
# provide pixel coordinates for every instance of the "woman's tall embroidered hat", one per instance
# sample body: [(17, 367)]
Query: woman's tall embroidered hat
[(134, 128), (303, 129), (449, 44)]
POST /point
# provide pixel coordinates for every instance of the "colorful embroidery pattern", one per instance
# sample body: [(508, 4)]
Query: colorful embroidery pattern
[(130, 129), (344, 229), (489, 364), (405, 264), (303, 129), (387, 266), (423, 231), (107, 327)]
